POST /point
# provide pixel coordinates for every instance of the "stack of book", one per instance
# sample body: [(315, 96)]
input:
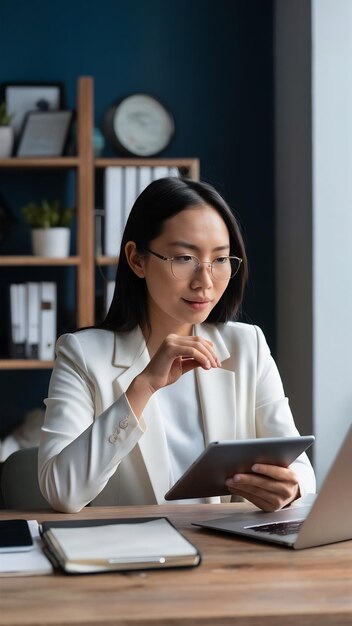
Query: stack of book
[(122, 186), (33, 312)]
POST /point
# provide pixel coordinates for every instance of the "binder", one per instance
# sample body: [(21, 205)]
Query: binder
[(160, 171), (145, 176), (99, 216), (95, 546), (18, 320), (47, 337), (32, 320), (131, 190), (113, 207), (174, 172)]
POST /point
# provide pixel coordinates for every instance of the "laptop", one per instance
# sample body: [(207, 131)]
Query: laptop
[(313, 520)]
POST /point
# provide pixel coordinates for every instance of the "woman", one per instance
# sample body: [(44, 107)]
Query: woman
[(133, 402)]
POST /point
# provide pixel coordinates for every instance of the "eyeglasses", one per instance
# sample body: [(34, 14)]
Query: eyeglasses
[(184, 266)]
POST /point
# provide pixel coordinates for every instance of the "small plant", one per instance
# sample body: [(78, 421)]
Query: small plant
[(47, 214), (5, 117)]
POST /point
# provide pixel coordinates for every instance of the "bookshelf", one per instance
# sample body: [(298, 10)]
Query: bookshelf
[(86, 167)]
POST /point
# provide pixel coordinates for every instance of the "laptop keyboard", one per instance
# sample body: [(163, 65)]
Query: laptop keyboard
[(278, 528)]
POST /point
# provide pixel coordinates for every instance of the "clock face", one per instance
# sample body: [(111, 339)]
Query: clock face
[(141, 125)]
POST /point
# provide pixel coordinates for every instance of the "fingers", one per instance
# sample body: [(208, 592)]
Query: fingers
[(199, 349), (196, 348), (268, 486), (176, 356)]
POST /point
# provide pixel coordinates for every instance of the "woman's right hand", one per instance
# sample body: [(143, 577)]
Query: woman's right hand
[(175, 356)]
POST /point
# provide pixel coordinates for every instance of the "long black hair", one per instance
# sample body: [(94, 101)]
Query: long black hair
[(161, 200)]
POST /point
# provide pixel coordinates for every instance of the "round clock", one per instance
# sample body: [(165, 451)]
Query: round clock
[(138, 125)]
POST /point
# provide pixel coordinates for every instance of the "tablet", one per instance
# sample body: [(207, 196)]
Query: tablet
[(222, 459)]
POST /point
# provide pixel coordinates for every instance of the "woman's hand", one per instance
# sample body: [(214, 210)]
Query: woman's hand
[(175, 356), (269, 487)]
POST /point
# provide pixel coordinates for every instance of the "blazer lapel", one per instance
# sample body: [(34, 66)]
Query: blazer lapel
[(131, 356)]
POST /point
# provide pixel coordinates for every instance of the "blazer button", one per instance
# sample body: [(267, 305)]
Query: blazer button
[(124, 423), (113, 438)]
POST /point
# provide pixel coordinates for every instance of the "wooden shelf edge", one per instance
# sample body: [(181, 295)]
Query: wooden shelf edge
[(106, 260), (171, 162), (39, 162), (25, 364), (29, 259)]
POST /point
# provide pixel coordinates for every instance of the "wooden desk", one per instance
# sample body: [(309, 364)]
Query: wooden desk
[(240, 582)]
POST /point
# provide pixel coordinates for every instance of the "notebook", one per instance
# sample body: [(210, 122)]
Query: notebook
[(92, 546), (312, 521)]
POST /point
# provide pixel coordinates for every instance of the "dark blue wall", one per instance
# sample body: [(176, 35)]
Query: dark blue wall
[(210, 61)]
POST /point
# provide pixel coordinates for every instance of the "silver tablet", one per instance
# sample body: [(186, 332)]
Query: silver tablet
[(222, 459)]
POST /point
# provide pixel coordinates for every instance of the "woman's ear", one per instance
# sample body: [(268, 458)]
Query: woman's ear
[(134, 259)]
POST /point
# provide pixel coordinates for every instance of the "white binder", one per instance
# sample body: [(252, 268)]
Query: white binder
[(32, 319), (131, 190), (47, 321), (145, 176), (160, 171), (113, 206), (18, 320)]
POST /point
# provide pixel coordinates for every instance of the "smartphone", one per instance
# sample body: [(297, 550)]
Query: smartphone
[(15, 536)]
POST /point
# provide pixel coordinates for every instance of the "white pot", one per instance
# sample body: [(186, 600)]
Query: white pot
[(51, 242), (6, 141)]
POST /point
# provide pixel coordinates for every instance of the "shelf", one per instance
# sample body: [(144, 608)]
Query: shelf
[(88, 169), (39, 162), (106, 260), (25, 364), (13, 261), (192, 164)]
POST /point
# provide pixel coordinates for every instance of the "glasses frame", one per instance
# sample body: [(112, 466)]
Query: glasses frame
[(199, 263)]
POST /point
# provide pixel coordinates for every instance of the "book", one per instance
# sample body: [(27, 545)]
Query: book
[(131, 190), (33, 320), (18, 318), (99, 215), (93, 546), (145, 177), (160, 171), (113, 207), (47, 335), (174, 172)]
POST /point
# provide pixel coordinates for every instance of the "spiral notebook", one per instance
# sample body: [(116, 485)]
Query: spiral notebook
[(93, 546)]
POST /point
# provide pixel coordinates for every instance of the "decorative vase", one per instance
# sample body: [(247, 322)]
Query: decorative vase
[(6, 141), (51, 242)]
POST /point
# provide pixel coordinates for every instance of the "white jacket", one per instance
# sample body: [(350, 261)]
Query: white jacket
[(92, 443)]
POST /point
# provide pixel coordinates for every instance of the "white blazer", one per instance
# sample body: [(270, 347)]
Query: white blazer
[(94, 448)]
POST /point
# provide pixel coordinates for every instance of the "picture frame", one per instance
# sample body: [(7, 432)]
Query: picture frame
[(22, 98), (44, 134)]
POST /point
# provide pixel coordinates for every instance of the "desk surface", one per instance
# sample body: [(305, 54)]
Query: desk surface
[(240, 582)]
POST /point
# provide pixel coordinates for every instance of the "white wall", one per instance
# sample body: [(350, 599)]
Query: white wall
[(313, 60), (332, 224)]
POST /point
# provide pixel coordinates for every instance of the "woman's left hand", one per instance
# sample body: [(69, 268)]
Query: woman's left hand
[(269, 487)]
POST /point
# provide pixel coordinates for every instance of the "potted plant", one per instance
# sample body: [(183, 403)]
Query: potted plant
[(6, 132), (50, 227)]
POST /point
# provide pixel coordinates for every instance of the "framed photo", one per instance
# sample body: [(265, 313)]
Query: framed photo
[(21, 98), (44, 134)]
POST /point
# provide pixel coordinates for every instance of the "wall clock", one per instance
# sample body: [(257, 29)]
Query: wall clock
[(139, 125)]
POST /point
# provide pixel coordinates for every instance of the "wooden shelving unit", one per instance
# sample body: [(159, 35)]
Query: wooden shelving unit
[(86, 167)]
